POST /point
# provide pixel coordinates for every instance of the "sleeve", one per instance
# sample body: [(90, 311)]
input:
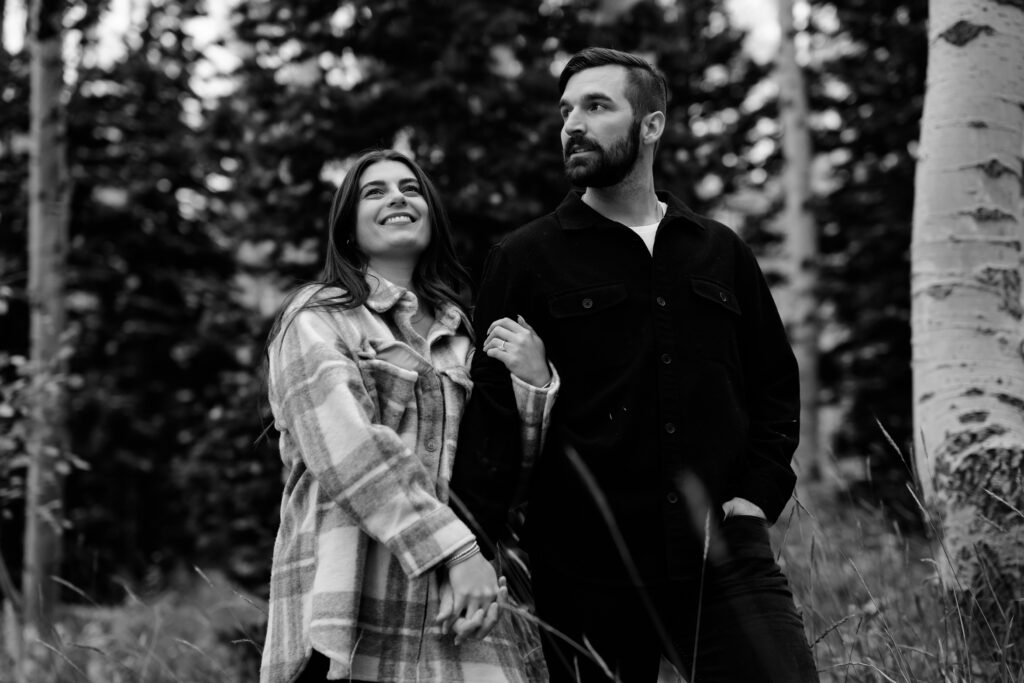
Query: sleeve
[(363, 466), (773, 386), (534, 405), (492, 439)]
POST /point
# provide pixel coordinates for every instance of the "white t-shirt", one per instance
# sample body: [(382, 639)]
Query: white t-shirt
[(647, 232)]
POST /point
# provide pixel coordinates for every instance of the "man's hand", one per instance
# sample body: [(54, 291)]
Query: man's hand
[(517, 345), (742, 506)]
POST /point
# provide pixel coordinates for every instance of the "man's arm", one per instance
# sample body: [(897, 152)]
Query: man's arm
[(490, 450), (773, 385)]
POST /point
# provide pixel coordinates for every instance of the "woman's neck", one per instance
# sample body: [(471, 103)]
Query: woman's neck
[(394, 271)]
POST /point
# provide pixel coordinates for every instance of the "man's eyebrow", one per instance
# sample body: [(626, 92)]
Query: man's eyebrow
[(588, 97)]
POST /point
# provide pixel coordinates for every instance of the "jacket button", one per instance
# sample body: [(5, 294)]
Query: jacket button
[(666, 358), (670, 428), (723, 296), (588, 303), (431, 445), (661, 301), (672, 498)]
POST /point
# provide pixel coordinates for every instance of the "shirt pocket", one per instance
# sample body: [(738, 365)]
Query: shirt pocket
[(716, 322), (392, 389), (590, 326)]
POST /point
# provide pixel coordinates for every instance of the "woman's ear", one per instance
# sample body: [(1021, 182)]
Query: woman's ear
[(651, 127)]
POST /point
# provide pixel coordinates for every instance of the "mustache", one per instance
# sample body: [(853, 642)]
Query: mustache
[(580, 143)]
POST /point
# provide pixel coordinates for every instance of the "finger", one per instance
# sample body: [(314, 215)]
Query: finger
[(458, 606), (467, 628), (506, 324), (445, 612), (522, 321), (503, 355), (496, 338), (489, 622), (503, 345)]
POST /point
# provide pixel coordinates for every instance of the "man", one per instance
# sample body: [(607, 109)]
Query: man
[(670, 444)]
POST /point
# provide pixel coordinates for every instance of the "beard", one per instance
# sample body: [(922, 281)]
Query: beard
[(605, 167)]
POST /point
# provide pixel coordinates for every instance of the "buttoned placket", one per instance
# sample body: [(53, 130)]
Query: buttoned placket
[(434, 413), (664, 279)]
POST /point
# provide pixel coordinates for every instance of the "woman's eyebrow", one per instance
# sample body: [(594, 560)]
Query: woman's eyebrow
[(382, 183)]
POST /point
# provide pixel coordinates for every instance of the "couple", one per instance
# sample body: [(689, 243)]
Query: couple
[(652, 479)]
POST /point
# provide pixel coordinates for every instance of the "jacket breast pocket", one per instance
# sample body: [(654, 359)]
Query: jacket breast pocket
[(392, 390), (716, 321), (590, 325)]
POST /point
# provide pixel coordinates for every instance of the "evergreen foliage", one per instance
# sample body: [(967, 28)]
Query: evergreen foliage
[(193, 211), (868, 92)]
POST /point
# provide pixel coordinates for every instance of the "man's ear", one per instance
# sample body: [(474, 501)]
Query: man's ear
[(651, 127)]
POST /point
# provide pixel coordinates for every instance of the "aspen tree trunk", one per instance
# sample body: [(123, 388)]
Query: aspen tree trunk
[(48, 224), (801, 244), (967, 311)]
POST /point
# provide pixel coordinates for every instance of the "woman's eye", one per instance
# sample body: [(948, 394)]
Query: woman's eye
[(373, 193), (411, 189)]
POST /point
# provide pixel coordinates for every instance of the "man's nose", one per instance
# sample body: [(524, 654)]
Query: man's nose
[(573, 123)]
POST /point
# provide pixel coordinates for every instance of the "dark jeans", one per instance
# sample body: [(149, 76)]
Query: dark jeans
[(316, 670), (740, 627)]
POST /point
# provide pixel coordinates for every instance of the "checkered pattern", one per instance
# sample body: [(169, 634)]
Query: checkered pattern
[(368, 413)]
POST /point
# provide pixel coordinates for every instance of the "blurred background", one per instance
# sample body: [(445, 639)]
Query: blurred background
[(204, 141)]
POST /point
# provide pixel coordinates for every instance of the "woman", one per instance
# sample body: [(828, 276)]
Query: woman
[(374, 578)]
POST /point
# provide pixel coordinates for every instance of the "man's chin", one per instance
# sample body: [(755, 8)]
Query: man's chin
[(578, 172)]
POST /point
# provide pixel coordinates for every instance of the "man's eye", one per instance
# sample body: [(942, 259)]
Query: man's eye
[(597, 106)]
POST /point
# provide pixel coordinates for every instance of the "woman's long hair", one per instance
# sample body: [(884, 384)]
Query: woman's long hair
[(438, 278)]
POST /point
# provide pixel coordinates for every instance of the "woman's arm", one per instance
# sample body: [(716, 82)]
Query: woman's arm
[(535, 382), (364, 467)]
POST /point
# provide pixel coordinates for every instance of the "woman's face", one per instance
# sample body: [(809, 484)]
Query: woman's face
[(392, 218)]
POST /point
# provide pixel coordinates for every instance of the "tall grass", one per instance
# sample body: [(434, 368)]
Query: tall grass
[(873, 609), (873, 605), (207, 632)]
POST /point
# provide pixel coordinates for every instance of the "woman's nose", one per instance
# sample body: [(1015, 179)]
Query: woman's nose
[(396, 197)]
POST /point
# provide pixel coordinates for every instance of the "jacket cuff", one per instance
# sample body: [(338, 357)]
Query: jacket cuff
[(425, 544), (535, 403), (765, 493)]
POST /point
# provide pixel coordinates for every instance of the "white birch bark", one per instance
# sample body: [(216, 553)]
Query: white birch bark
[(801, 244), (967, 312), (48, 225)]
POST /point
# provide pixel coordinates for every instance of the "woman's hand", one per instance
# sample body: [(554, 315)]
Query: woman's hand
[(517, 345), (471, 596)]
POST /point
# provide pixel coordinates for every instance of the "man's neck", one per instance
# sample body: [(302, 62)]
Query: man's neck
[(630, 202)]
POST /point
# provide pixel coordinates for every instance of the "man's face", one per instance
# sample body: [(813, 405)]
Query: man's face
[(600, 138)]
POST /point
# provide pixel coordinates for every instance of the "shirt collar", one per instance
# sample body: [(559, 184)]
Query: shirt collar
[(574, 214), (385, 295)]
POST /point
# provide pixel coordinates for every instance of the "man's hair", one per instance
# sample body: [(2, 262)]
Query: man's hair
[(646, 87)]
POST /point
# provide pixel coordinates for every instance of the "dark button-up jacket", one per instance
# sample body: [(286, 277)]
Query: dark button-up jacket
[(679, 390)]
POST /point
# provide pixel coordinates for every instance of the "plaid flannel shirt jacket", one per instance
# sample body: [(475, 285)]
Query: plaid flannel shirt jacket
[(368, 413)]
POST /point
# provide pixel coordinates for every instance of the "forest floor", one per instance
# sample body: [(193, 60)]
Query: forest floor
[(871, 605)]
